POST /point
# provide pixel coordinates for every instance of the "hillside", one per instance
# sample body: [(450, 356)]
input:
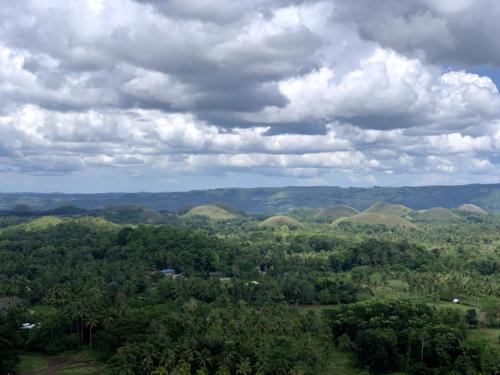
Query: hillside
[(471, 208), (129, 213), (41, 223), (45, 222), (271, 200), (336, 212), (210, 211), (383, 208), (278, 221), (376, 219), (436, 214)]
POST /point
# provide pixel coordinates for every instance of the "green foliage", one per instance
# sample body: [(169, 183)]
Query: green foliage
[(31, 362), (279, 221), (471, 318), (387, 209), (336, 212), (246, 299), (271, 200), (366, 218), (436, 214), (211, 212)]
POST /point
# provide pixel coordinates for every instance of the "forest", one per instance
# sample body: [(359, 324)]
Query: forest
[(130, 291)]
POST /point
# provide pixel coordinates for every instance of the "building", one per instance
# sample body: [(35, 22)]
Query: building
[(170, 272)]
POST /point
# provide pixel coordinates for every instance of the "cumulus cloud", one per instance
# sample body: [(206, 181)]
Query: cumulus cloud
[(303, 90)]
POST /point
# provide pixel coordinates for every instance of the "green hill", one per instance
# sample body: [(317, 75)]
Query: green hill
[(210, 211), (436, 214), (336, 212), (94, 222), (376, 219), (472, 208), (278, 221), (130, 213), (41, 223), (45, 222), (389, 209)]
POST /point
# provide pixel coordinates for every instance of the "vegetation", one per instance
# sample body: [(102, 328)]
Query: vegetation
[(336, 212), (371, 294), (269, 200), (375, 219), (211, 212), (472, 208), (279, 221), (436, 214), (382, 208)]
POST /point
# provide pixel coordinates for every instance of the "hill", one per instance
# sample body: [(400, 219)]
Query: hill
[(40, 223), (389, 209), (45, 222), (336, 212), (94, 222), (436, 214), (270, 200), (472, 208), (376, 219), (210, 211), (278, 221), (130, 213)]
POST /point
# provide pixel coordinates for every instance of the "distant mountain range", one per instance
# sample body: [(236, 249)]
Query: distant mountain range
[(268, 200)]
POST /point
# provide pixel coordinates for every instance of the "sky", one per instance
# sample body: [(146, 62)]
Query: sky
[(173, 95)]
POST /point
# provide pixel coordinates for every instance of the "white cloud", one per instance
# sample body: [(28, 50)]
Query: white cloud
[(306, 90)]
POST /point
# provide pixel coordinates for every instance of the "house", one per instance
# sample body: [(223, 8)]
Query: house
[(456, 300), (170, 272)]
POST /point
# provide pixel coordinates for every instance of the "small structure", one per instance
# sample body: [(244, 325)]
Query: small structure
[(170, 272), (456, 300), (28, 326)]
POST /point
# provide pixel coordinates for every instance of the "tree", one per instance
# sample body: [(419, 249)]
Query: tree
[(377, 349), (8, 354), (91, 322), (471, 318)]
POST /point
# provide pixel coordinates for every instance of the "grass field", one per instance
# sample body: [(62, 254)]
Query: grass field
[(31, 362), (341, 364), (489, 334), (68, 363)]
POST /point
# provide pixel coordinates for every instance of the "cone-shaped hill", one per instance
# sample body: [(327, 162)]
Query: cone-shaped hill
[(383, 208), (130, 213), (278, 221), (210, 211), (45, 222), (336, 212), (376, 219), (472, 208), (436, 214)]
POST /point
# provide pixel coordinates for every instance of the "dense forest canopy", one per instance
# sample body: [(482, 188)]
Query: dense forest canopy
[(195, 294)]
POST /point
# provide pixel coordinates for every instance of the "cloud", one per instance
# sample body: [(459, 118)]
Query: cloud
[(389, 91), (461, 32), (304, 91)]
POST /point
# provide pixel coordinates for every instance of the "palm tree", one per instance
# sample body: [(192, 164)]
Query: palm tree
[(244, 367), (76, 311), (91, 322)]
